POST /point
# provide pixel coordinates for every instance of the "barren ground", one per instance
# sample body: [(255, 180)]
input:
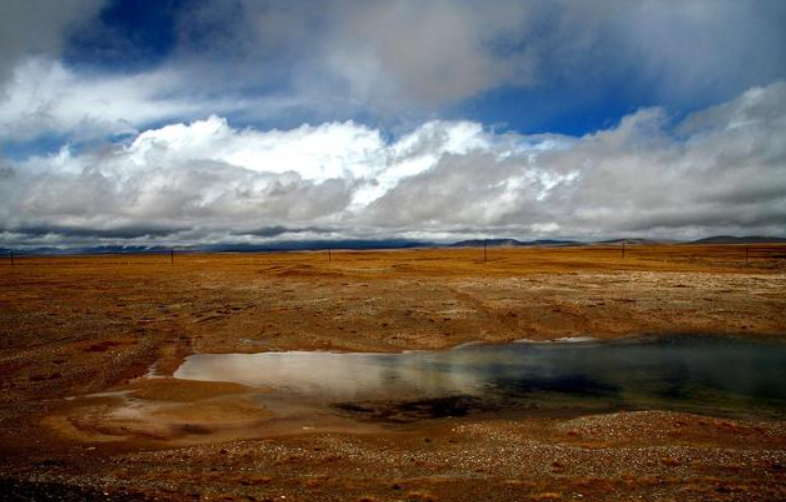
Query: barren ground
[(72, 327)]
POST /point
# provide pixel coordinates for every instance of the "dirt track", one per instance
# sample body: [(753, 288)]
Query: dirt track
[(72, 326)]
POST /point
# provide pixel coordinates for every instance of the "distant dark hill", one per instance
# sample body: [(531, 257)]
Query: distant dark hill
[(552, 242), (511, 243), (315, 245), (488, 242), (731, 239), (360, 244), (95, 250), (639, 242)]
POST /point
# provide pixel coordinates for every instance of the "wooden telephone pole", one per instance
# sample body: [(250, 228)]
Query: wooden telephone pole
[(12, 258), (623, 250), (172, 257), (485, 253), (330, 255)]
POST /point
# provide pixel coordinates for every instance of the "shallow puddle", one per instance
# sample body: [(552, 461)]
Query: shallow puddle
[(700, 374)]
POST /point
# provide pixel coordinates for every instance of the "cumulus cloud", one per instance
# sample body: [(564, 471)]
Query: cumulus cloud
[(722, 169)]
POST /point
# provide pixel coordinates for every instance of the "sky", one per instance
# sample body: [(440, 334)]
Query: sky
[(198, 122)]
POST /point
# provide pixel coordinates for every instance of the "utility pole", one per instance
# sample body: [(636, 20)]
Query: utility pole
[(747, 254), (12, 258), (330, 255), (485, 254), (623, 250), (172, 257)]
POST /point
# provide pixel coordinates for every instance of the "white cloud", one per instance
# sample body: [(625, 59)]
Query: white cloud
[(720, 170), (332, 150), (44, 97)]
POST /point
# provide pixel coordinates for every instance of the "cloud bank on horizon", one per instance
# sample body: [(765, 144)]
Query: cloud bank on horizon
[(199, 121)]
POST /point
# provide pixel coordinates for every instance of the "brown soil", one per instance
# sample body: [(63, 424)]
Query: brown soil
[(73, 327)]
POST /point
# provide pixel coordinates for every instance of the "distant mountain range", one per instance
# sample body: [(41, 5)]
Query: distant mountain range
[(512, 243), (317, 245), (369, 244), (311, 245), (719, 239), (635, 242), (730, 239), (95, 250)]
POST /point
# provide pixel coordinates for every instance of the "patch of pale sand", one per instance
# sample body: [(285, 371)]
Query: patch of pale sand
[(162, 409), (153, 420)]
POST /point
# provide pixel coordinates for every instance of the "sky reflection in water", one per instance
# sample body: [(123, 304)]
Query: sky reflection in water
[(698, 373)]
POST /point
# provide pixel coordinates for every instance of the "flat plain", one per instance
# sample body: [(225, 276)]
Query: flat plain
[(78, 335)]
